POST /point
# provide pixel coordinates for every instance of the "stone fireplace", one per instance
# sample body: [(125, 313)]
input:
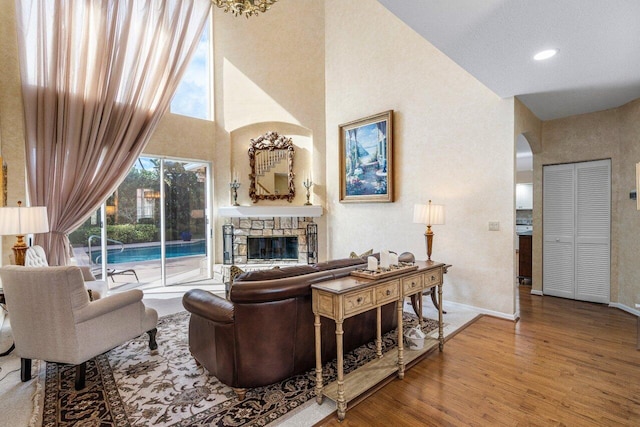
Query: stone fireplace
[(259, 240)]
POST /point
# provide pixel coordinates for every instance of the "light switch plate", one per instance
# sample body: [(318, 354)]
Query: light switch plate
[(494, 226)]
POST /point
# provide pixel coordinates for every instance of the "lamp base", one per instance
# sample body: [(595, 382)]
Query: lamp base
[(19, 250), (428, 235)]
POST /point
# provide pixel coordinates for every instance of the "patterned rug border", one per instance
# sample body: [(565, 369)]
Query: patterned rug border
[(101, 403)]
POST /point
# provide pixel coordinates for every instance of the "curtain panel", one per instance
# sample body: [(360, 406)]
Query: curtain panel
[(97, 76)]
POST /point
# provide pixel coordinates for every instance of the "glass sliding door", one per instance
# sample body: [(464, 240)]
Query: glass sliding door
[(185, 224), (147, 234)]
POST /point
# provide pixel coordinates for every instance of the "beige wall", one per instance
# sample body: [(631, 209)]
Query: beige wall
[(611, 134), (11, 114), (269, 76), (530, 126), (453, 143), (627, 215)]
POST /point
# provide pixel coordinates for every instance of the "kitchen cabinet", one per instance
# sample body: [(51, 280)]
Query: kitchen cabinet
[(524, 196)]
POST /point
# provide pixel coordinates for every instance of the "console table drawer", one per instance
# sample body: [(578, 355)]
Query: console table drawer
[(387, 292), (432, 278), (411, 284), (358, 301)]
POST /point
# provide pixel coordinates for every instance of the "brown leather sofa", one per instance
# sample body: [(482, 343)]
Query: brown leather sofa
[(264, 333)]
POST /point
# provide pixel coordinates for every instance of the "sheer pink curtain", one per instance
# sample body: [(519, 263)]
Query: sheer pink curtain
[(97, 76)]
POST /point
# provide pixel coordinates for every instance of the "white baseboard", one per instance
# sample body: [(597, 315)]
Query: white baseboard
[(536, 292), (624, 308), (484, 311)]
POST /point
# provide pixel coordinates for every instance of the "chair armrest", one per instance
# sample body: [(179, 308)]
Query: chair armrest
[(209, 306), (87, 275), (105, 305)]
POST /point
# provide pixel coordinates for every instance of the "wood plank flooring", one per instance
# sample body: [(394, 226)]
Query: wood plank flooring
[(564, 362)]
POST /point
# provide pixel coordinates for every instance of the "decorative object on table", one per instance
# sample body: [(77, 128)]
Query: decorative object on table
[(382, 273), (393, 258), (244, 7), (234, 185), (428, 214), (366, 154), (308, 183), (363, 255), (271, 163), (372, 264), (19, 221), (312, 243), (384, 260), (407, 258)]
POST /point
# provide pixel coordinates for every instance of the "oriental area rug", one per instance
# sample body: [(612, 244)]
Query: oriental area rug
[(130, 386)]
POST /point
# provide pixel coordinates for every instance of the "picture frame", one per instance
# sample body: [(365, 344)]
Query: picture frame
[(366, 159), (637, 185)]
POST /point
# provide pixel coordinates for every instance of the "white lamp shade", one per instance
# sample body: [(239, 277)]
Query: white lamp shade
[(428, 214), (23, 220)]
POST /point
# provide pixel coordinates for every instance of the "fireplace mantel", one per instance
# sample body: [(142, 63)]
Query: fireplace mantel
[(269, 211)]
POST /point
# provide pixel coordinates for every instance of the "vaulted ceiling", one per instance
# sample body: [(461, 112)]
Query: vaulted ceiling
[(598, 62)]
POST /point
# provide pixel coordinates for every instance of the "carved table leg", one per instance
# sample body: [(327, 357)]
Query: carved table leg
[(400, 342), (440, 331), (420, 303), (318, 333), (378, 333), (342, 404)]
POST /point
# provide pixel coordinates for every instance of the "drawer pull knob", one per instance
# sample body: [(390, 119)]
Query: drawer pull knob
[(413, 284), (359, 300), (388, 292), (433, 277)]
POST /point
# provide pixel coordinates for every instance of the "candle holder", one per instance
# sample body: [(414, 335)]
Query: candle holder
[(307, 184), (234, 185)]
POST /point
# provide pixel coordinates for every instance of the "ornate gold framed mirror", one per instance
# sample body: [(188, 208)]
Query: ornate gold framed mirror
[(271, 163)]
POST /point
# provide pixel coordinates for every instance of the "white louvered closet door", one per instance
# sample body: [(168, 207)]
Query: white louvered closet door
[(576, 230), (558, 226), (593, 208)]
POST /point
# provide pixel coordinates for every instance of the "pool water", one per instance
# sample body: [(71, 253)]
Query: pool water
[(150, 253)]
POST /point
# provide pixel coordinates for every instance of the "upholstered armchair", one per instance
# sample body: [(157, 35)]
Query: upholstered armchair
[(36, 257), (52, 318)]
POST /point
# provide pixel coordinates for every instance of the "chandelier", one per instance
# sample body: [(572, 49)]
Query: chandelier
[(246, 7)]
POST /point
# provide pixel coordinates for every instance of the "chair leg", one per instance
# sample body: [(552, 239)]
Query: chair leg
[(25, 369), (81, 372), (152, 339)]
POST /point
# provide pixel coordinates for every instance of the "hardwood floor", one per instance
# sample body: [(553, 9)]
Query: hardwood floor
[(563, 363)]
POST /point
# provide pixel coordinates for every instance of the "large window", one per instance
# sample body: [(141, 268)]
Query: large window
[(194, 94)]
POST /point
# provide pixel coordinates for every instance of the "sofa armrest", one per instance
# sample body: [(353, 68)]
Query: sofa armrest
[(108, 304), (209, 306)]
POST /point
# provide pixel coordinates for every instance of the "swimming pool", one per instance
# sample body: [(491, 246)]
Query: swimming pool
[(150, 253)]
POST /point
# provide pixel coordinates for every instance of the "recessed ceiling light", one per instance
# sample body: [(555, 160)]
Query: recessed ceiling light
[(545, 54)]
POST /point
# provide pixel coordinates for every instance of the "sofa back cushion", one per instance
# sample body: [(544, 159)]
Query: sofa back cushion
[(338, 263), (275, 273)]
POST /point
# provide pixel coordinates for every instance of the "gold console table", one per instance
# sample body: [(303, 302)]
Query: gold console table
[(342, 298)]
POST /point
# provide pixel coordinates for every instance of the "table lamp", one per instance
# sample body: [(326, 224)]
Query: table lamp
[(19, 221), (428, 214)]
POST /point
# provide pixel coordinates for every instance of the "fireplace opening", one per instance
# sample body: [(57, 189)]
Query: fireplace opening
[(272, 248)]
